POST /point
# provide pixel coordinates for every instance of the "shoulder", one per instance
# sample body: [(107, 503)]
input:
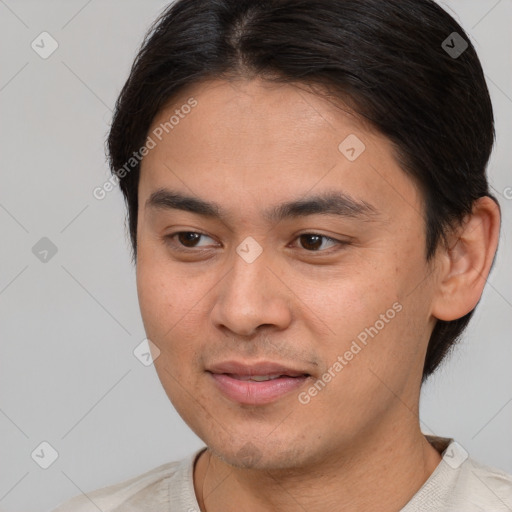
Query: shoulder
[(486, 486), (151, 488), (461, 483), (472, 485)]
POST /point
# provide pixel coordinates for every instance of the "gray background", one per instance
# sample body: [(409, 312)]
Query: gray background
[(69, 326)]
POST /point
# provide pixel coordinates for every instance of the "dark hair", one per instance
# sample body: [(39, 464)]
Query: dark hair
[(395, 62)]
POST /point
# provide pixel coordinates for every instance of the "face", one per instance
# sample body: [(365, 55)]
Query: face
[(297, 247)]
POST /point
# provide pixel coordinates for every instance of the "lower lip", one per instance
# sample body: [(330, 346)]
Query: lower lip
[(256, 393)]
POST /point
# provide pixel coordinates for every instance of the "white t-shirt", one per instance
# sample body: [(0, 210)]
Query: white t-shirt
[(458, 484)]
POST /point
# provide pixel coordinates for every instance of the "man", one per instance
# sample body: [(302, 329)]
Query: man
[(312, 229)]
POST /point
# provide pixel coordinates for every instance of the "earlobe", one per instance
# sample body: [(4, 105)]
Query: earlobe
[(467, 261)]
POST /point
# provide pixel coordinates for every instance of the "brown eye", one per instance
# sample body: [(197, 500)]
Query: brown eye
[(314, 242), (185, 240), (188, 238)]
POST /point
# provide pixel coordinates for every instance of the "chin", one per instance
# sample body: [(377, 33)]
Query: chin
[(261, 456)]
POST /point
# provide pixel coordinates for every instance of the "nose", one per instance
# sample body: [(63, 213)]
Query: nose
[(251, 296)]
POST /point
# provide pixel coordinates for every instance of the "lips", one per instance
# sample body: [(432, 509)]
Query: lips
[(256, 378), (262, 368), (257, 383)]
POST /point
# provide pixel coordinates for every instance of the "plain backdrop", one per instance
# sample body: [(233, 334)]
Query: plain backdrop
[(69, 325)]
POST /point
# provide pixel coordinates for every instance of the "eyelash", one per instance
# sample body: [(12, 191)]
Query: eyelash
[(169, 240)]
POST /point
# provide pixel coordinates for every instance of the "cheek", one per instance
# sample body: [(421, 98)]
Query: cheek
[(348, 300), (168, 307), (166, 293), (370, 312), (156, 299), (173, 305)]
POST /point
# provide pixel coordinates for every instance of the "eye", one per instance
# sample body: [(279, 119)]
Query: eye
[(314, 242), (184, 240), (189, 240)]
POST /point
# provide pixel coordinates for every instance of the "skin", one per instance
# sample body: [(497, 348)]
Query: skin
[(357, 445)]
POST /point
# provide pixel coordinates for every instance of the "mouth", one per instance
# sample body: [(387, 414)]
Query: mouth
[(263, 378), (257, 384)]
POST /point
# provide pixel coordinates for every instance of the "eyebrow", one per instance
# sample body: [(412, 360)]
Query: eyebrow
[(329, 203)]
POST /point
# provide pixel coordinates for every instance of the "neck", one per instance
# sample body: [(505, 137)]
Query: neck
[(380, 470)]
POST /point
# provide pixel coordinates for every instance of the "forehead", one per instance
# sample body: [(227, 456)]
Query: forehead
[(251, 140), (255, 111)]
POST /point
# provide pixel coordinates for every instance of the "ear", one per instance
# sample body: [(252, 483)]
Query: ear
[(465, 263)]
